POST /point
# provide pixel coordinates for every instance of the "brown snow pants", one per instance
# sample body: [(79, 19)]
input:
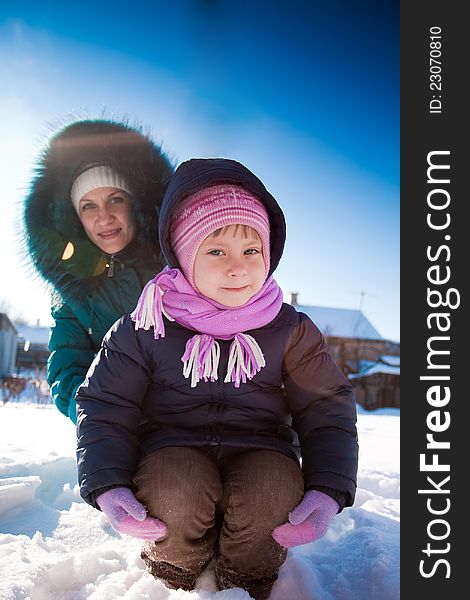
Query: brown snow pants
[(218, 507)]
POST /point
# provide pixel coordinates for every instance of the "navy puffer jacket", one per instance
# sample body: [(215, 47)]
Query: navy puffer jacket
[(135, 399)]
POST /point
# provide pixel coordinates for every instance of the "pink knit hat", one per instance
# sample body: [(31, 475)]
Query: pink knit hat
[(209, 209)]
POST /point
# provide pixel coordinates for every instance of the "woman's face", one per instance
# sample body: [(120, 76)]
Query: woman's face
[(106, 215)]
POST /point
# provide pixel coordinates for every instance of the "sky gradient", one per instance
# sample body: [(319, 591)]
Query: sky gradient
[(305, 94)]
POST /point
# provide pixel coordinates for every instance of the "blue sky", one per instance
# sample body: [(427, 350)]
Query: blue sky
[(305, 94)]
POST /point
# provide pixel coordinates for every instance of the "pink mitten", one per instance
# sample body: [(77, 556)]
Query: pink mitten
[(308, 521), (127, 515)]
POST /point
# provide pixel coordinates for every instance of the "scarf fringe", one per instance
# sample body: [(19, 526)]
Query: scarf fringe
[(245, 359), (149, 310), (201, 359), (202, 355)]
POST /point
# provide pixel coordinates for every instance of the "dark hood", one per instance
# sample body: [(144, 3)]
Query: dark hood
[(50, 220), (197, 173)]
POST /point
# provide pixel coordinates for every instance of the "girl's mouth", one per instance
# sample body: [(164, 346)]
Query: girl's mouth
[(236, 290)]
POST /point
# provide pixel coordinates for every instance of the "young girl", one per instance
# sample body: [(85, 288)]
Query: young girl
[(198, 407)]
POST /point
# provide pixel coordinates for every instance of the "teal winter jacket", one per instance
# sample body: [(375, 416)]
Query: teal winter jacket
[(81, 323)]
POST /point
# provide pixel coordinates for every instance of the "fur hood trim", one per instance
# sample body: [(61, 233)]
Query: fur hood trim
[(50, 220)]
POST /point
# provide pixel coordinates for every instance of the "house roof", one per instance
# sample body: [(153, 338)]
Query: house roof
[(341, 322), (35, 335)]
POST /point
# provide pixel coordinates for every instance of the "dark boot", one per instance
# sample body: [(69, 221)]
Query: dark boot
[(259, 589), (173, 577)]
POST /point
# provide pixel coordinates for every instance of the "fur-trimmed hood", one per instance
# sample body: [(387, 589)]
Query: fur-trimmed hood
[(51, 222)]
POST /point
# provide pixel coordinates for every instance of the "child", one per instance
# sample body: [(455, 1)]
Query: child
[(196, 404)]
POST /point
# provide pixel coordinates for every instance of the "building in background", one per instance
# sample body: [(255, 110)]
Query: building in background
[(371, 363), (8, 346), (377, 384), (33, 350), (23, 357)]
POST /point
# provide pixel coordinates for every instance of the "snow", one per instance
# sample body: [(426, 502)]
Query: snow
[(53, 546), (370, 367)]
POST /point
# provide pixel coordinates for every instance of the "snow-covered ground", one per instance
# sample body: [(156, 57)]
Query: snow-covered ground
[(53, 546)]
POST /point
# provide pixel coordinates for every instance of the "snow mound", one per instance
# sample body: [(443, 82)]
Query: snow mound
[(53, 546)]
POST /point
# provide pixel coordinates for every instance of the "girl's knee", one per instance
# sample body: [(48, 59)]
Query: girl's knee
[(178, 483), (262, 487)]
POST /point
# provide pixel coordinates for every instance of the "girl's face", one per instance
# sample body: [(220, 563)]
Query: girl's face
[(229, 265), (106, 215)]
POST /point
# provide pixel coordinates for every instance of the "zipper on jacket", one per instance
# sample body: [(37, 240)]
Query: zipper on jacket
[(215, 437), (110, 266), (111, 263), (92, 312)]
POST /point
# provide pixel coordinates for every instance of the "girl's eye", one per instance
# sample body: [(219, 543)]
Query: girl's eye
[(215, 252), (87, 206), (117, 199), (252, 251)]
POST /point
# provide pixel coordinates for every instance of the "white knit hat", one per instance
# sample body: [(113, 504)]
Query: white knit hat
[(95, 177)]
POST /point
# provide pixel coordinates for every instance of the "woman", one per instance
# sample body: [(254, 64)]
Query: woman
[(91, 225)]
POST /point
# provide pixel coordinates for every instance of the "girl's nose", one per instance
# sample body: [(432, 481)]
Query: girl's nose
[(236, 268)]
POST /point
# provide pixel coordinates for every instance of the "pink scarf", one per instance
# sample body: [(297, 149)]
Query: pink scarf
[(170, 294)]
